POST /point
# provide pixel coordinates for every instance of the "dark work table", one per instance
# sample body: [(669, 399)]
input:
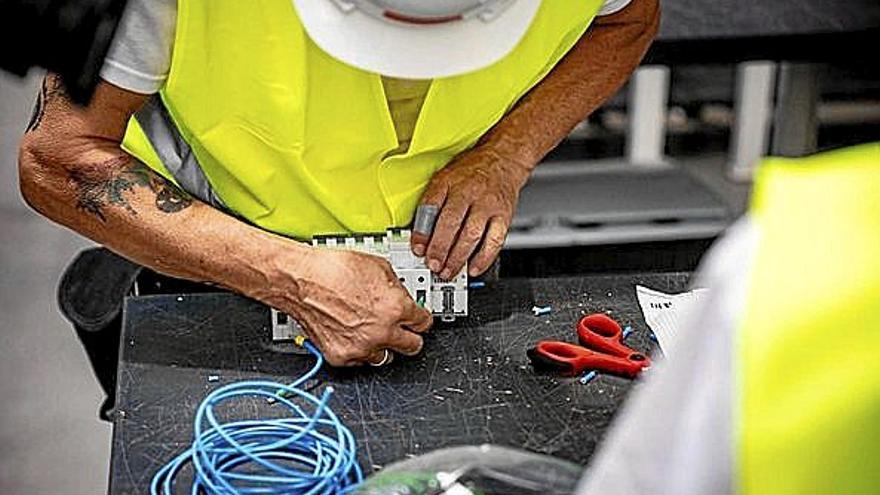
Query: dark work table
[(471, 385), (707, 31), (695, 19)]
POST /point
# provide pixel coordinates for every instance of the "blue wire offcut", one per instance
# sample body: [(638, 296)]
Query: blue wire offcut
[(588, 376), (308, 451)]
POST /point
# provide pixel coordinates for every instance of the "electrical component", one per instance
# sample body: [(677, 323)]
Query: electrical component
[(446, 299)]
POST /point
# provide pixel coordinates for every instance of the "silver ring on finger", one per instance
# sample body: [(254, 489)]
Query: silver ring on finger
[(386, 358)]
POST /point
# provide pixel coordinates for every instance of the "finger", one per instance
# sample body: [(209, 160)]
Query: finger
[(416, 319), (451, 217), (493, 241), (405, 342), (426, 215), (423, 225), (342, 357), (465, 244)]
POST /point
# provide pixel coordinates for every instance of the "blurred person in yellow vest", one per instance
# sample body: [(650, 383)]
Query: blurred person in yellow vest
[(774, 383), (226, 133)]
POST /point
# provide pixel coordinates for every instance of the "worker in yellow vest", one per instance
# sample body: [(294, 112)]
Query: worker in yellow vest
[(774, 385), (226, 132)]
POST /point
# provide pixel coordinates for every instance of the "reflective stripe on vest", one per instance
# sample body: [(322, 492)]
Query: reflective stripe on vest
[(808, 418), (175, 154), (297, 143)]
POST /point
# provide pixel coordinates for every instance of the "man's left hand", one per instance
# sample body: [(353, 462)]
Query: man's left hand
[(476, 195)]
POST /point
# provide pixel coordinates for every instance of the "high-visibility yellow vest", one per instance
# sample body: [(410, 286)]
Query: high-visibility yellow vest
[(808, 353), (297, 142)]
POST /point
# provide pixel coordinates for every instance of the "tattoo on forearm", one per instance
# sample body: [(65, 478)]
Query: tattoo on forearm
[(104, 185), (51, 88), (39, 109), (170, 199)]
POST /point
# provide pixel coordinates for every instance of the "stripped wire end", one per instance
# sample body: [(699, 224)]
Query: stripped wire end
[(541, 310), (588, 377)]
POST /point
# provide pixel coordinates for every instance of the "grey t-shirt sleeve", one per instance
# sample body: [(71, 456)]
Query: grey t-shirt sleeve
[(140, 55)]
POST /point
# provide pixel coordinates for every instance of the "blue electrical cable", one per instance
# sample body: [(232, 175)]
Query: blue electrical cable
[(308, 453)]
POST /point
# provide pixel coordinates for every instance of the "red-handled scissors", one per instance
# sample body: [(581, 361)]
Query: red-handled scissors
[(601, 348)]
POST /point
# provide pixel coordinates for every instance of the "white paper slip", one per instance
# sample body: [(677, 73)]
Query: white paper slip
[(665, 313)]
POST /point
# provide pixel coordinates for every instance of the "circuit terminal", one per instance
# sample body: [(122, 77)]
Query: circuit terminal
[(445, 299)]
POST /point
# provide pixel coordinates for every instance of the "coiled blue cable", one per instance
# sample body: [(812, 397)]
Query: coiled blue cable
[(300, 453)]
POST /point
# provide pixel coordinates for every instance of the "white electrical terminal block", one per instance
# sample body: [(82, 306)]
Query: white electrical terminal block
[(446, 299)]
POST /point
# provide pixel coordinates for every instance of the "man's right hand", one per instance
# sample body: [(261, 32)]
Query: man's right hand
[(72, 170), (350, 304)]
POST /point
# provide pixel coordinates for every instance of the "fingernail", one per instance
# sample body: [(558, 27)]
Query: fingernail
[(446, 274), (419, 249), (473, 272), (434, 265)]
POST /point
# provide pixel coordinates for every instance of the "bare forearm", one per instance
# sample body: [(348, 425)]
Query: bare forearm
[(595, 68), (117, 201), (72, 169)]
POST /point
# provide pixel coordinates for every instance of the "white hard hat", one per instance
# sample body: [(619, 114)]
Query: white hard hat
[(417, 39)]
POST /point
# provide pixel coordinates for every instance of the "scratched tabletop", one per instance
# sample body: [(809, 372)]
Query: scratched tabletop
[(472, 384), (719, 31)]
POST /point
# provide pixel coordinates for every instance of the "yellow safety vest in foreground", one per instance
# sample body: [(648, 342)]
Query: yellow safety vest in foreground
[(295, 142), (808, 357)]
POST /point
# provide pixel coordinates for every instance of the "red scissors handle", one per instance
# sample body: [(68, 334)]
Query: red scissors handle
[(572, 359), (601, 348), (600, 332)]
